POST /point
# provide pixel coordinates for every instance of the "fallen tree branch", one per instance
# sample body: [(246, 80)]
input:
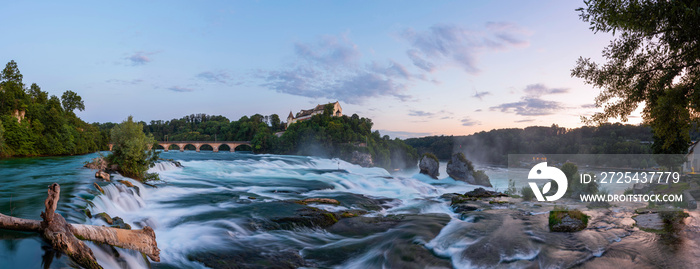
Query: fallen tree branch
[(64, 236)]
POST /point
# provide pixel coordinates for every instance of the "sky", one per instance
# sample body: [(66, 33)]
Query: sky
[(416, 68)]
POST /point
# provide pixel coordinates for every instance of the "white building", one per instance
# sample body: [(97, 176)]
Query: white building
[(307, 114), (692, 163)]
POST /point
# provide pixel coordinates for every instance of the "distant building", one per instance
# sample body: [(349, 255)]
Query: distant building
[(692, 163), (307, 114)]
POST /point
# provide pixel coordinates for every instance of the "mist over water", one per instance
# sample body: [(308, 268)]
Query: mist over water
[(218, 208)]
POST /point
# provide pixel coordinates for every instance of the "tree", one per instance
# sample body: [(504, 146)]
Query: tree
[(11, 73), (131, 150), (71, 101), (2, 140), (655, 60), (275, 122)]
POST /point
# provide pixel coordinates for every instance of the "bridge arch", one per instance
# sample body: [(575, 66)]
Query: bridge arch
[(189, 146), (206, 147), (223, 147), (242, 147)]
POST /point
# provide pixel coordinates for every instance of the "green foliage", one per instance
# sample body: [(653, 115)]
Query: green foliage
[(673, 220), (321, 135), (570, 170), (130, 151), (576, 188), (527, 193), (652, 61), (511, 190), (2, 140), (325, 135), (36, 125), (72, 101), (558, 213)]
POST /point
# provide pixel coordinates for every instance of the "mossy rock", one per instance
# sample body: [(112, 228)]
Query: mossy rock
[(306, 217), (328, 201), (432, 156), (104, 216), (567, 220), (119, 223)]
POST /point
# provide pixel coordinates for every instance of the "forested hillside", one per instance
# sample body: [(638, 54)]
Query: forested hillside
[(495, 145), (321, 135), (34, 124)]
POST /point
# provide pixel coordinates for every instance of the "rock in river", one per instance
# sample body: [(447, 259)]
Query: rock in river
[(429, 165), (459, 168)]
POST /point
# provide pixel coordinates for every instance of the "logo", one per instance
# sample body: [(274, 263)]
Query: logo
[(542, 171)]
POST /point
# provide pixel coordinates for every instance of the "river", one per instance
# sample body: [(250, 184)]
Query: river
[(223, 208)]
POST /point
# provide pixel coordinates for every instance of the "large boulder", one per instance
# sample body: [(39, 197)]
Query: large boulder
[(362, 159), (429, 165), (459, 168)]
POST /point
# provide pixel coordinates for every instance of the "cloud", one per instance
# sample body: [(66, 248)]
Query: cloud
[(540, 89), (218, 77), (419, 113), (125, 82), (478, 110), (140, 57), (469, 122), (480, 95), (443, 114), (403, 134), (525, 120), (180, 89), (332, 69), (444, 43), (419, 62), (588, 106), (530, 106)]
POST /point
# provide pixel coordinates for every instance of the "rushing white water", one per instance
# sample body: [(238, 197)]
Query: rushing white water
[(221, 204)]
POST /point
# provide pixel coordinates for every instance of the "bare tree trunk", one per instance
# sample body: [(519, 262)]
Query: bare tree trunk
[(62, 235), (141, 240), (18, 224)]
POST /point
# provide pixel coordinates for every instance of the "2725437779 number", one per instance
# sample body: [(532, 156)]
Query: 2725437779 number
[(633, 177)]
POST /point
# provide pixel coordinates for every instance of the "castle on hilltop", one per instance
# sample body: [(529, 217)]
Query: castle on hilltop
[(306, 114)]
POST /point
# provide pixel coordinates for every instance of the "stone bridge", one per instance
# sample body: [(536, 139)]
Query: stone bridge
[(198, 144)]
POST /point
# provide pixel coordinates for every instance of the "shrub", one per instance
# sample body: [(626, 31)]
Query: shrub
[(527, 193), (511, 190), (130, 151)]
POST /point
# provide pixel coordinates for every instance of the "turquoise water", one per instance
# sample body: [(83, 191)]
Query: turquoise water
[(224, 208)]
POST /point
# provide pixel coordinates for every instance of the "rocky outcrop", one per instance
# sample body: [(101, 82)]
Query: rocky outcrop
[(361, 159), (483, 193), (429, 165), (567, 221), (459, 168)]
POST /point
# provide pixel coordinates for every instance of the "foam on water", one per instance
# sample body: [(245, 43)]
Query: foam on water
[(196, 207)]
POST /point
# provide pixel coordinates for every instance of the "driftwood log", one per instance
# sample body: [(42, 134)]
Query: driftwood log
[(65, 237)]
